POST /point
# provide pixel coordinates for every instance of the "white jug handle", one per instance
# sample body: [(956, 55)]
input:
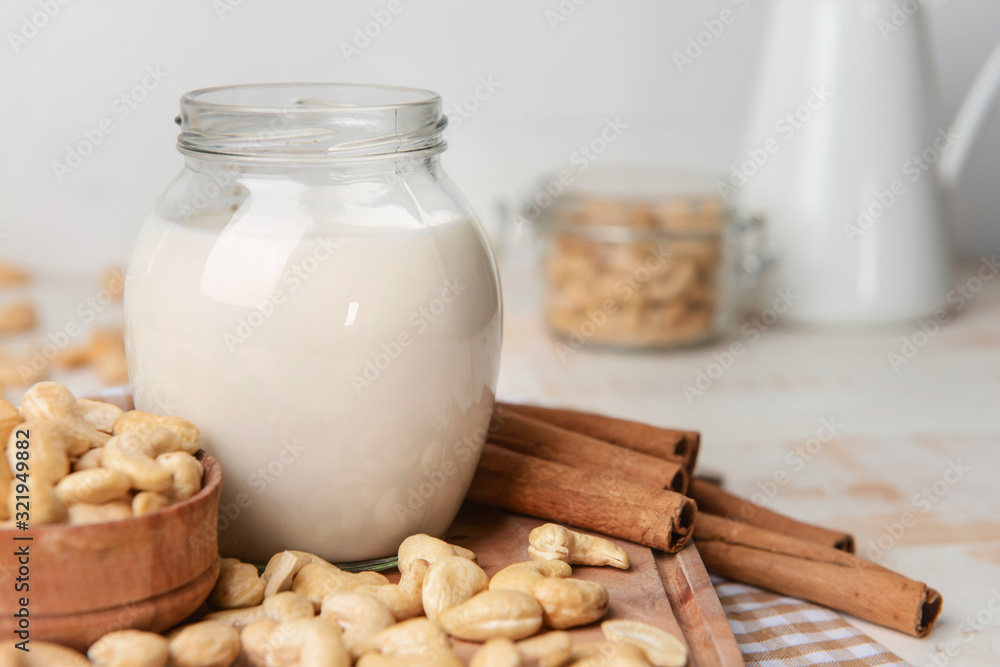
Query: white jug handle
[(969, 120)]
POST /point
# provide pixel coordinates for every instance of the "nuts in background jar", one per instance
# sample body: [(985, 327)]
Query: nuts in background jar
[(635, 273)]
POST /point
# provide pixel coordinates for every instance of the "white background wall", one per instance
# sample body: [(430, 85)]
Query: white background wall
[(608, 59)]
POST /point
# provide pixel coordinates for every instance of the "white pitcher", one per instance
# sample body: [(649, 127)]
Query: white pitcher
[(850, 163)]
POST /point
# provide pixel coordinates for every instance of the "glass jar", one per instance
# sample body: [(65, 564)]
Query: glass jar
[(645, 256), (313, 292)]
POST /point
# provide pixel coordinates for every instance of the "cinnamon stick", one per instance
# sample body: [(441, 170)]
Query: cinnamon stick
[(712, 499), (516, 482), (552, 443), (820, 574), (669, 444)]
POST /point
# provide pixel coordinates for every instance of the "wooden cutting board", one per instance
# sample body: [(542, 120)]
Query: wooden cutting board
[(670, 592)]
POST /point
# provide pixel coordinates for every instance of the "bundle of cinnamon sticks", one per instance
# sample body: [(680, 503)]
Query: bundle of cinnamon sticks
[(634, 481)]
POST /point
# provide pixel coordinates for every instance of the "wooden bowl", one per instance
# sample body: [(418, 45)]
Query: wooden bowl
[(148, 572)]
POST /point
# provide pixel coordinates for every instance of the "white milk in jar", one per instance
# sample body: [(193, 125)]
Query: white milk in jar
[(340, 359)]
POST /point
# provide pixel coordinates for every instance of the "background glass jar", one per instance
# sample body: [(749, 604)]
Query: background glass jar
[(646, 256), (313, 292)]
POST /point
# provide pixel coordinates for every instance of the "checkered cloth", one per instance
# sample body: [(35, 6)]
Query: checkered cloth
[(777, 631)]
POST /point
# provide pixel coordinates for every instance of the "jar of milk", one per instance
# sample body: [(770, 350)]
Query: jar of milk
[(314, 293)]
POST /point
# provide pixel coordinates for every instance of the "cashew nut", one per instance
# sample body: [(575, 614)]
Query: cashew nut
[(238, 586), (49, 459), (129, 648), (9, 418), (441, 657), (360, 615), (553, 649), (6, 476), (304, 642), (46, 507), (85, 513), (661, 648), (504, 613), (567, 603), (47, 654), (187, 433), (98, 414), (554, 542), (98, 485), (497, 652), (317, 580), (610, 654), (413, 637), (187, 472), (524, 576), (449, 583), (147, 440), (283, 567), (9, 656), (147, 502), (405, 599), (89, 460), (204, 644), (424, 547), (134, 453), (287, 606), (239, 618), (51, 400), (462, 552)]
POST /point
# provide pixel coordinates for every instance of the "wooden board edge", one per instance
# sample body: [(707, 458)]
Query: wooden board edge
[(697, 609)]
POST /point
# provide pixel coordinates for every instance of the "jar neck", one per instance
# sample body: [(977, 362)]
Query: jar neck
[(293, 126), (314, 171)]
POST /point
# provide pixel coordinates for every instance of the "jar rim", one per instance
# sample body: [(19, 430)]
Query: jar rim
[(200, 97), (306, 122)]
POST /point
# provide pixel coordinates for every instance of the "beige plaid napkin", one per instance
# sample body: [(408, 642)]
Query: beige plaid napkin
[(777, 631)]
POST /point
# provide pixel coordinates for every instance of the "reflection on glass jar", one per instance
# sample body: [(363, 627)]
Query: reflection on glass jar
[(313, 292)]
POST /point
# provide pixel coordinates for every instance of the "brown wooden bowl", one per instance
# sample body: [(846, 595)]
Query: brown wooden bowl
[(148, 572)]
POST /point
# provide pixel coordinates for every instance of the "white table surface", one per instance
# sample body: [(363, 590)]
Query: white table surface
[(898, 432)]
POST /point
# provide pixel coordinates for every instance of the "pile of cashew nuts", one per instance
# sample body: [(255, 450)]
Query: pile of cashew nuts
[(90, 462), (305, 612)]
